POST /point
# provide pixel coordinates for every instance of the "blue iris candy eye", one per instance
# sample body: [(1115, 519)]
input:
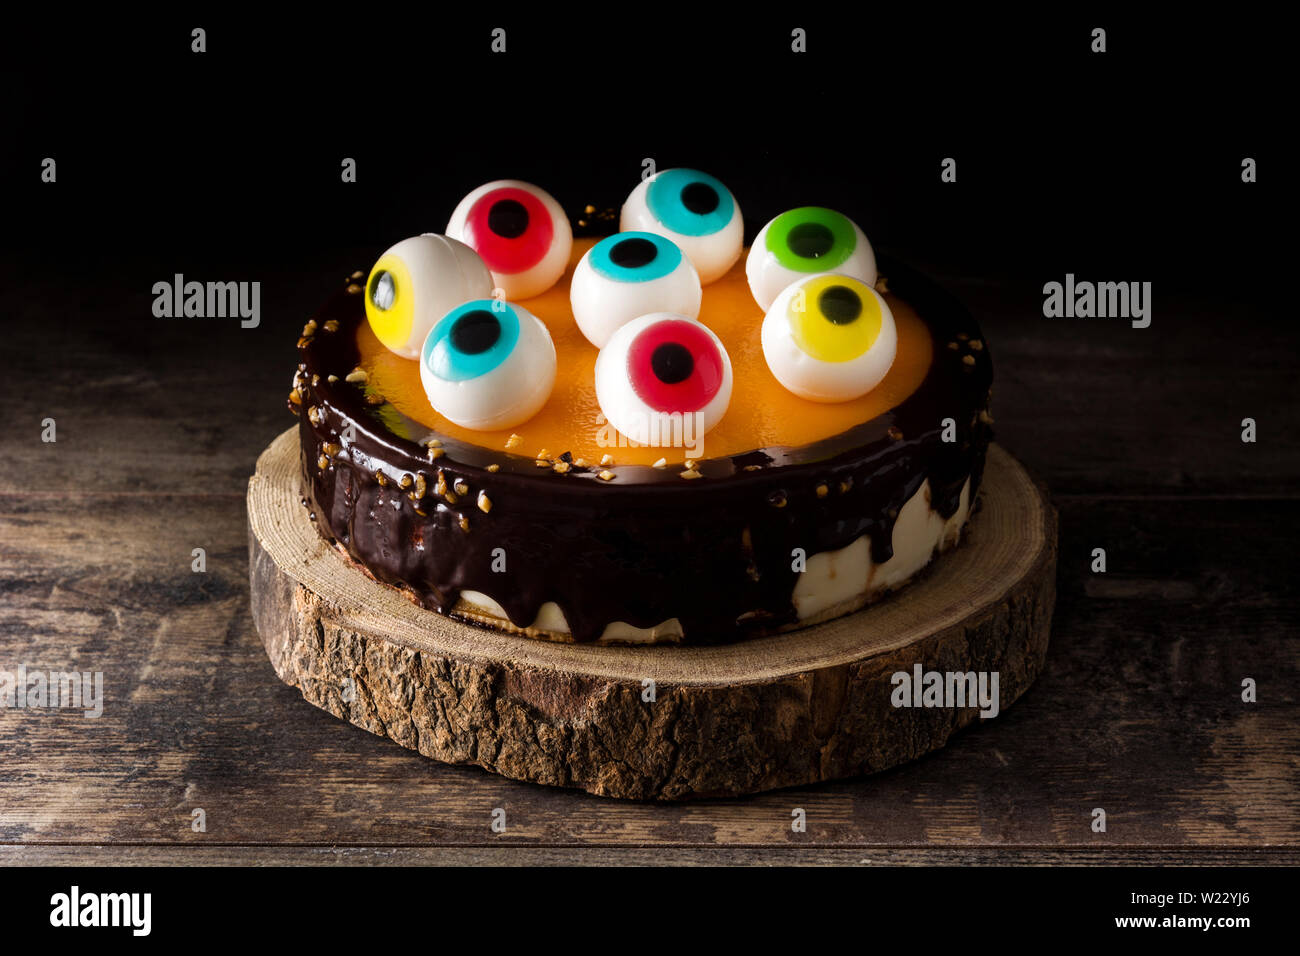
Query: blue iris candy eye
[(635, 257), (690, 202), (627, 275), (471, 340), (488, 365), (695, 211)]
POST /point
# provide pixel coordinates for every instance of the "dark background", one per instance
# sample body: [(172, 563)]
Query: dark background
[(1125, 164)]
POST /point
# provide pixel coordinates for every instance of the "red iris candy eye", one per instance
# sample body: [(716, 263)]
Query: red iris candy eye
[(519, 231), (664, 380), (674, 366), (510, 229)]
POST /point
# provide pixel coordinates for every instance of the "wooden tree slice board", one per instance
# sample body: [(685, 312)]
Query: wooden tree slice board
[(793, 708)]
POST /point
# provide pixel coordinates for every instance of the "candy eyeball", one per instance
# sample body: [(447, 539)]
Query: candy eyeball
[(627, 275), (663, 380), (488, 364), (802, 242), (416, 283), (521, 233), (695, 211), (829, 338)]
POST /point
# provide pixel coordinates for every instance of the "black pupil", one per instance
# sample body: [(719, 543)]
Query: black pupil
[(840, 304), (672, 363), (811, 240), (475, 332), (633, 253), (700, 198), (508, 218)]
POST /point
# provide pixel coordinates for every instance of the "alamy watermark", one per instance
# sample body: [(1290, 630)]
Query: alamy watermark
[(1074, 299), (133, 911), (179, 299), (922, 688), (658, 429), (26, 689)]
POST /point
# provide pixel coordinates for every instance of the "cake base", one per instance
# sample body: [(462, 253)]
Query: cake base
[(655, 722)]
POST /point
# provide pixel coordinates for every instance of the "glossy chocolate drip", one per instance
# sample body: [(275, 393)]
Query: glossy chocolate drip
[(715, 552)]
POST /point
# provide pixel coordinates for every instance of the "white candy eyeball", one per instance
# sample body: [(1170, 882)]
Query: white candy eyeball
[(802, 242), (663, 379), (630, 274), (416, 283), (488, 364), (695, 211), (521, 233), (829, 338)]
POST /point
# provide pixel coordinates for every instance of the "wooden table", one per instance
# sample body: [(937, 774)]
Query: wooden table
[(1139, 710)]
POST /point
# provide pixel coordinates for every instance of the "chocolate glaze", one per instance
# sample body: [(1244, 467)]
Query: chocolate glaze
[(714, 552)]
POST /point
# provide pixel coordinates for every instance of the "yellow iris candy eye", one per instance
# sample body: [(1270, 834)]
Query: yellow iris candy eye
[(830, 338), (416, 283)]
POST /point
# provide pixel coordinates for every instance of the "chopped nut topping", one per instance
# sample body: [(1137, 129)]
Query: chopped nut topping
[(968, 360), (882, 284), (514, 441), (295, 396), (322, 462), (544, 453), (690, 464), (606, 461), (661, 463), (421, 486), (494, 467), (433, 442), (484, 502), (561, 467), (579, 463), (315, 380), (953, 346), (976, 345), (440, 488), (894, 432), (357, 275), (606, 475), (374, 398), (845, 485), (962, 336), (316, 415), (464, 525), (353, 288), (691, 473), (331, 325), (331, 449), (381, 478), (777, 499), (823, 490), (356, 376), (985, 417), (407, 481), (435, 453), (542, 463), (309, 329), (332, 378), (753, 467), (461, 487)]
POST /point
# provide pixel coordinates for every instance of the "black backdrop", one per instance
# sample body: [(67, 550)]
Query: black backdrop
[(1124, 165)]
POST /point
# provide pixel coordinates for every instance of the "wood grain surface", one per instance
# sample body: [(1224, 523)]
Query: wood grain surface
[(1138, 709)]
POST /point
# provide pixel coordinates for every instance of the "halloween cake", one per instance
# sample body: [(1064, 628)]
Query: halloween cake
[(655, 436)]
